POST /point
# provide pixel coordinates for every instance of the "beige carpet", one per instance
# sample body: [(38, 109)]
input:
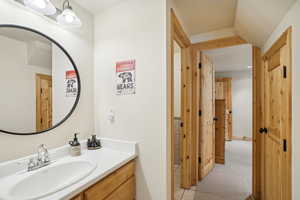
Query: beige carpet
[(231, 181)]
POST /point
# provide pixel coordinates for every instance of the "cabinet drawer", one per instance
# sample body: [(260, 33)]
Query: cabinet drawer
[(105, 187), (125, 191)]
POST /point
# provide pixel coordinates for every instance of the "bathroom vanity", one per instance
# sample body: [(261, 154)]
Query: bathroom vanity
[(119, 185), (41, 89), (104, 174)]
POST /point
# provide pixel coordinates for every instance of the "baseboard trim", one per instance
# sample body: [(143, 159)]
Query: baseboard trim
[(243, 138)]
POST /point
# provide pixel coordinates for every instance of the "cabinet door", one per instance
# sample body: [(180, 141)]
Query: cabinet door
[(102, 189), (124, 192)]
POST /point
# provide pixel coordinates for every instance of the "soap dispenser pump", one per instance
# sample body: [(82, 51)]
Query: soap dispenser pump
[(75, 149)]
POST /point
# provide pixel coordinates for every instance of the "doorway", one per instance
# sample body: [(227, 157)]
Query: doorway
[(231, 176), (191, 159), (43, 102), (177, 119)]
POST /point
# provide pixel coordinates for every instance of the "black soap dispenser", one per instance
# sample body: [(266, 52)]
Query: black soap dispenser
[(75, 147)]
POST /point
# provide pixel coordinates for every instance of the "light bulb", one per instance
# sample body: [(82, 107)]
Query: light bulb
[(69, 18), (40, 3), (43, 6)]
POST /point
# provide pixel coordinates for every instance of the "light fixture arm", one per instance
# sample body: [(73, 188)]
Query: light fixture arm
[(66, 4)]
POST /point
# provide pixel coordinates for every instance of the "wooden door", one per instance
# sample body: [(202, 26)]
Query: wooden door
[(223, 91), (207, 134), (220, 131), (277, 130), (43, 102)]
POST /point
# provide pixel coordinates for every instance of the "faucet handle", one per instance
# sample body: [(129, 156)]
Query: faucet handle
[(31, 164), (43, 154)]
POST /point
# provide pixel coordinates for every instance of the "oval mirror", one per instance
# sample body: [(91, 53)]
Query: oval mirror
[(39, 82)]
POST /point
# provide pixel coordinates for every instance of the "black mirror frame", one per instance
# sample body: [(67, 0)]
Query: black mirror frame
[(75, 68)]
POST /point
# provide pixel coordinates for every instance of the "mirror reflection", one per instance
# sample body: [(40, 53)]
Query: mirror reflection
[(38, 82)]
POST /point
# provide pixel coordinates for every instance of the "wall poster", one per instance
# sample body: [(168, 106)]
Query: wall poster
[(71, 83), (125, 75)]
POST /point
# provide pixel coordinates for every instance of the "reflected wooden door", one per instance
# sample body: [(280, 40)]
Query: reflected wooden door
[(277, 130), (220, 131), (223, 91), (43, 102), (207, 134)]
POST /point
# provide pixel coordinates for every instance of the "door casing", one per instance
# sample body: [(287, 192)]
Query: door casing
[(178, 34)]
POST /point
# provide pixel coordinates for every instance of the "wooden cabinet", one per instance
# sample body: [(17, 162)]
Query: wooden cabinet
[(125, 191), (119, 185)]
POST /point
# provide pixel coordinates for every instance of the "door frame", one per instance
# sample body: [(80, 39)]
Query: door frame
[(178, 34)]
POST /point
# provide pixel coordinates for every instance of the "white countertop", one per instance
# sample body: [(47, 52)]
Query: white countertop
[(113, 155)]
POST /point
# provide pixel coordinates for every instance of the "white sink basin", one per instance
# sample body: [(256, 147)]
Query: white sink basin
[(45, 181)]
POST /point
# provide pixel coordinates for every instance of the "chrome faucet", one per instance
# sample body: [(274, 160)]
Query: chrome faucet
[(42, 160)]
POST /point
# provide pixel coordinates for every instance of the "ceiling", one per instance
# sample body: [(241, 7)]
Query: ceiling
[(257, 19), (236, 58), (96, 6), (23, 35), (254, 20), (200, 16)]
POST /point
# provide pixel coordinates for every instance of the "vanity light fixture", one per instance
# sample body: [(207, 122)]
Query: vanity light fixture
[(68, 17), (43, 6)]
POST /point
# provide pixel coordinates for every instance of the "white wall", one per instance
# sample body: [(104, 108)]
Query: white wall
[(241, 102), (61, 103), (17, 86), (79, 43), (292, 19), (134, 29)]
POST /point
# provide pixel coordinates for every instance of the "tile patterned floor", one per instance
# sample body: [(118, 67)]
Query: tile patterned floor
[(231, 181)]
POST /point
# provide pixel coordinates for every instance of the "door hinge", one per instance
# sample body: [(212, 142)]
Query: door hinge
[(200, 65), (181, 124), (199, 159), (41, 90), (41, 121), (284, 145), (284, 72)]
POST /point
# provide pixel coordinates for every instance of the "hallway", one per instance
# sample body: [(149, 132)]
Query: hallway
[(231, 181)]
